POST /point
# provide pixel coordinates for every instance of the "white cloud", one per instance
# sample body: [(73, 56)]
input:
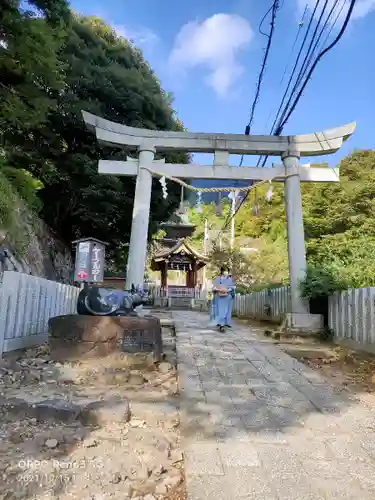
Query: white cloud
[(141, 37), (361, 9), (213, 44)]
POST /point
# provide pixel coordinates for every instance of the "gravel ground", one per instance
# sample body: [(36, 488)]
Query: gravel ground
[(130, 449)]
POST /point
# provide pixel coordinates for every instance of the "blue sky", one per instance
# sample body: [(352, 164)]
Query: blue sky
[(208, 54)]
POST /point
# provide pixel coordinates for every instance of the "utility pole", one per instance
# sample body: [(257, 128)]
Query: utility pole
[(205, 237), (205, 248), (232, 221)]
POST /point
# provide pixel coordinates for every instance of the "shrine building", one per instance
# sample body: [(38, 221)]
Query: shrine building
[(174, 253)]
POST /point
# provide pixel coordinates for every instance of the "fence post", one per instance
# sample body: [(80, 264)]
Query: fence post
[(3, 315)]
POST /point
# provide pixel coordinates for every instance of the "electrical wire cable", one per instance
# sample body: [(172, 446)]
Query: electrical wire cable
[(316, 62), (313, 39), (300, 26), (278, 132), (321, 54), (262, 21), (333, 25), (295, 67), (314, 49), (308, 57), (244, 199), (274, 9)]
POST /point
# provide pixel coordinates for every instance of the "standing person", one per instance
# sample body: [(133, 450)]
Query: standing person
[(213, 311), (230, 305), (223, 289)]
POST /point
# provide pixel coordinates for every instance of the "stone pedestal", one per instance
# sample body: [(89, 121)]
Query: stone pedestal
[(303, 323), (73, 337), (199, 305), (160, 302)]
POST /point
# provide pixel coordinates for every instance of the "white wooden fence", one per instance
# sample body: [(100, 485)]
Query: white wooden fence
[(351, 312), (266, 305), (352, 315), (26, 304), (177, 292)]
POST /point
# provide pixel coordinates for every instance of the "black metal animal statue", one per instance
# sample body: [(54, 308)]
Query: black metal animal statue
[(94, 300)]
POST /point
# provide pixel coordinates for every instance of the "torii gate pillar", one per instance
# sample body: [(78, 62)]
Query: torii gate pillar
[(141, 214), (299, 307)]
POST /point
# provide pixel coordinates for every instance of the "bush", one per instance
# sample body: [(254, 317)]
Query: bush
[(242, 289), (322, 282), (17, 196), (10, 215), (266, 286), (25, 185), (7, 203)]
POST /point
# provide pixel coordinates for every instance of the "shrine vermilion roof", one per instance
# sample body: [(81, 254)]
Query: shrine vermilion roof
[(163, 252), (180, 246)]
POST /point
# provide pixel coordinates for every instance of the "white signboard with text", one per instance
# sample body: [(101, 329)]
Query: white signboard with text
[(90, 260)]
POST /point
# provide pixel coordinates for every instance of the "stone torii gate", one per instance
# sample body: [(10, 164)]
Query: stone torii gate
[(289, 148)]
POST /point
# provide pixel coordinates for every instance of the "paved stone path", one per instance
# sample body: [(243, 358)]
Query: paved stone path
[(257, 424)]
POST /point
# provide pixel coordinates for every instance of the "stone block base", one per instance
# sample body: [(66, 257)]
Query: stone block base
[(170, 324), (303, 324), (73, 337), (160, 302), (199, 305)]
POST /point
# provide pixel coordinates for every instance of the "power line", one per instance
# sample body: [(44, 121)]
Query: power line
[(333, 8), (274, 9), (319, 57), (244, 199), (300, 26), (262, 21), (295, 66), (310, 49), (333, 25), (284, 96), (308, 56)]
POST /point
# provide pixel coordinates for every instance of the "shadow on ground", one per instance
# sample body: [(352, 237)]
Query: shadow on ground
[(59, 437), (234, 385)]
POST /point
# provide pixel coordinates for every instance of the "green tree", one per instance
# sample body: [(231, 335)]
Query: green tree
[(252, 268), (106, 75), (239, 263), (31, 72), (339, 221), (215, 222), (340, 224)]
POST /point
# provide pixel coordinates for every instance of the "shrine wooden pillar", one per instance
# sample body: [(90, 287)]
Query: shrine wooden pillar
[(194, 274), (164, 275), (188, 279)]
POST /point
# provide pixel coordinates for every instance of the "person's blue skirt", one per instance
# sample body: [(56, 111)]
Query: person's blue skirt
[(223, 310)]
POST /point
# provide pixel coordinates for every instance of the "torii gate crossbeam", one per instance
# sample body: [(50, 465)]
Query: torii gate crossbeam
[(289, 148)]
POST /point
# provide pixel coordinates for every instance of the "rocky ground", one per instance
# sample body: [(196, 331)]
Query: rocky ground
[(99, 429), (345, 367), (340, 366)]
